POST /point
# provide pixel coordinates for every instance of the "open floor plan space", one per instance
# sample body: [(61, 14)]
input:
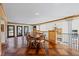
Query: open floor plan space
[(39, 29)]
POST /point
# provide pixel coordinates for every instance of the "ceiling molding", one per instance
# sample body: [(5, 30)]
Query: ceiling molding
[(64, 18), (19, 23)]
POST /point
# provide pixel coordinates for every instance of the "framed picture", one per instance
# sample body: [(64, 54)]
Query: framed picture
[(10, 31), (26, 29), (19, 30), (2, 27)]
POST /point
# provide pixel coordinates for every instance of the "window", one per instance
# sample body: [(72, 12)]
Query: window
[(26, 29), (10, 31), (75, 34), (19, 30)]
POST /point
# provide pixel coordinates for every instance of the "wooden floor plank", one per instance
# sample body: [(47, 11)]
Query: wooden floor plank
[(52, 50)]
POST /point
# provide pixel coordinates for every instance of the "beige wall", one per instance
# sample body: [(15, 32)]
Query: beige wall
[(3, 20)]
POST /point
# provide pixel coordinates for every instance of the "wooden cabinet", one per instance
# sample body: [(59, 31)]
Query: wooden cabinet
[(52, 34)]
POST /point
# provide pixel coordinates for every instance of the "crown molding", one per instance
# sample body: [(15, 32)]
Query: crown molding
[(64, 18), (19, 23)]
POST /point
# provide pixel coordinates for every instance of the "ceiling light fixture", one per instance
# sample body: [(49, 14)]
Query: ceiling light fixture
[(37, 13)]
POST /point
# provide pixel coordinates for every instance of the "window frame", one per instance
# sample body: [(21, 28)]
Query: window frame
[(25, 29), (8, 34), (18, 31)]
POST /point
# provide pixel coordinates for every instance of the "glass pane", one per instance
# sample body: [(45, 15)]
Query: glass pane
[(19, 30)]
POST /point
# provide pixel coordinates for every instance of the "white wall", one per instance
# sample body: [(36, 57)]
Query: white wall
[(30, 28), (59, 24), (75, 24), (50, 26)]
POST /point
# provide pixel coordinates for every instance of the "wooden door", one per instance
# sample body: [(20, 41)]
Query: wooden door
[(52, 36)]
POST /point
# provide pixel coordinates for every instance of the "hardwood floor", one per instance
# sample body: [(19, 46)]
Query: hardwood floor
[(51, 50)]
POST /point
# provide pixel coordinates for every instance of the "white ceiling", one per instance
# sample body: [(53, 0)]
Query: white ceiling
[(31, 13)]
